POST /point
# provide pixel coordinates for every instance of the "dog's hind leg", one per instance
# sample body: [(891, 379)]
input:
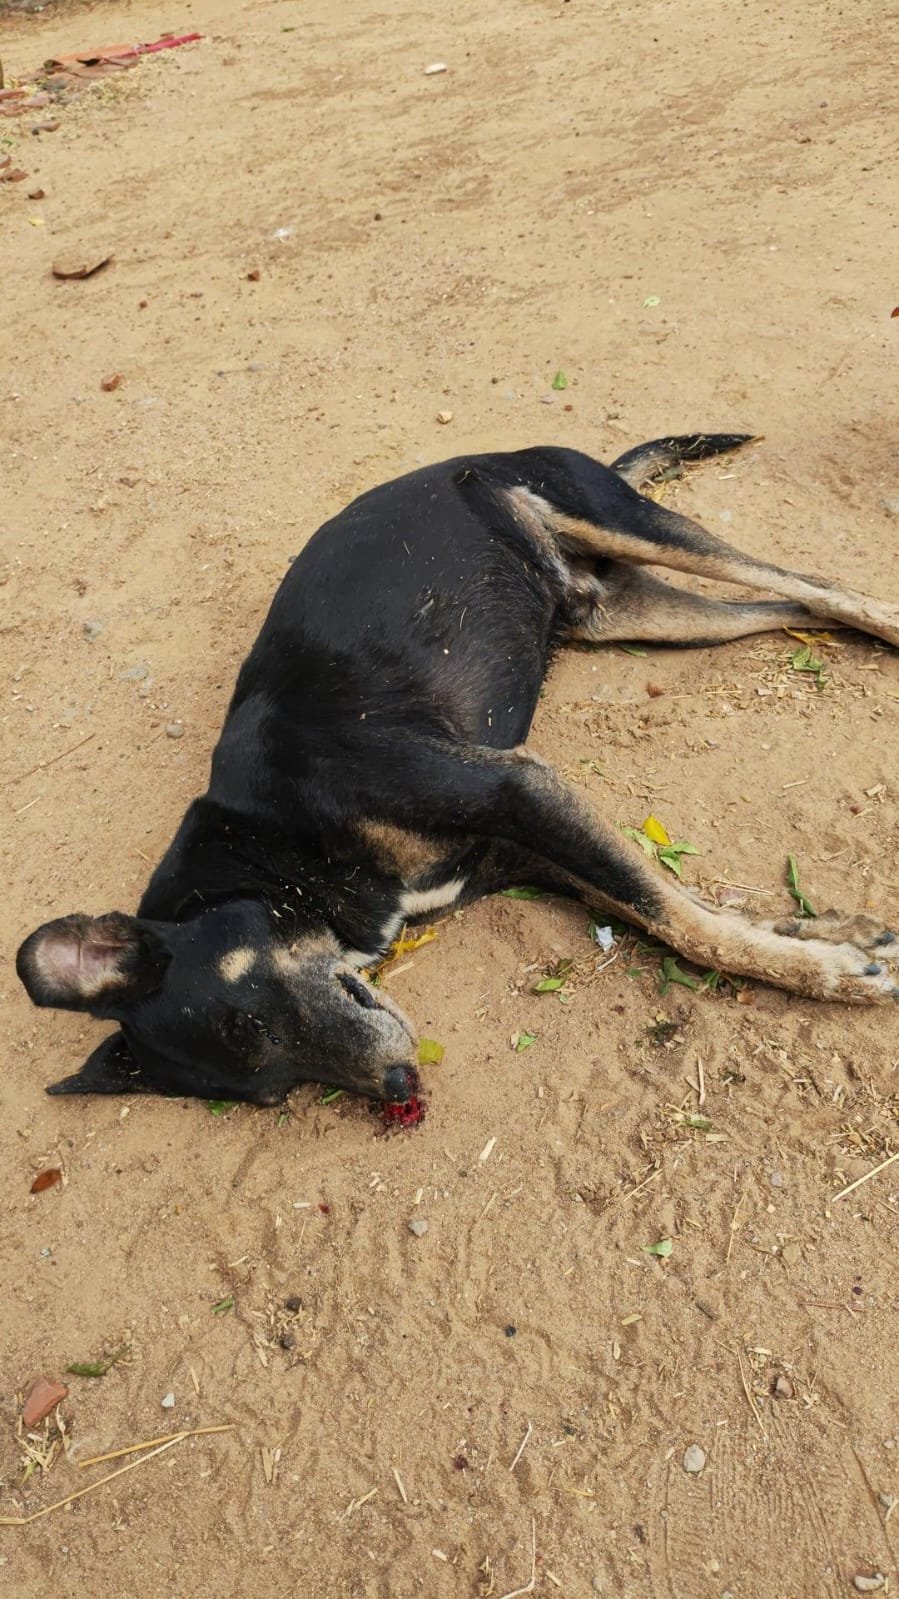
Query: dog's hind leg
[(635, 604), (509, 796), (594, 513)]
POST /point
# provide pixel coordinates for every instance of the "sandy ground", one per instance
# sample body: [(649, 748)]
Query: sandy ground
[(690, 210)]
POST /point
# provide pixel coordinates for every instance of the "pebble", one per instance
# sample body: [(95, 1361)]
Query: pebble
[(783, 1388), (293, 1302), (444, 416), (776, 1179), (869, 1584), (434, 68), (167, 1401), (694, 1459), (174, 730), (44, 1397), (287, 1341), (92, 629), (418, 1226)]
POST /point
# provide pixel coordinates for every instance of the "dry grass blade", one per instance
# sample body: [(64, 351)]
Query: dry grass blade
[(176, 1438), (521, 1447), (866, 1177), (515, 1593), (749, 1396), (150, 1443)]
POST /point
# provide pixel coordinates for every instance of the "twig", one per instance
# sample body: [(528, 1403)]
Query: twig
[(868, 1174), (42, 765), (23, 1521), (399, 1482), (701, 1075), (750, 1400), (521, 1448), (149, 1443), (645, 1184), (529, 1587), (733, 1224)]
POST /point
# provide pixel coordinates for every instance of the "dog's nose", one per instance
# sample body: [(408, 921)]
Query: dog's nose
[(400, 1083)]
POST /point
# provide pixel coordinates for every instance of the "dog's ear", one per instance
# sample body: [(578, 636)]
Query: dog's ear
[(111, 1069), (101, 964)]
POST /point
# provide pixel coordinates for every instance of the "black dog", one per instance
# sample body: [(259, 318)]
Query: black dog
[(371, 772)]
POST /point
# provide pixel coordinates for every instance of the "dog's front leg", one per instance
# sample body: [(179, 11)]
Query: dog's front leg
[(512, 796)]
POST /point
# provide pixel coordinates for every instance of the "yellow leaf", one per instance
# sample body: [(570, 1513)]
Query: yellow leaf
[(809, 638), (404, 946), (653, 829)]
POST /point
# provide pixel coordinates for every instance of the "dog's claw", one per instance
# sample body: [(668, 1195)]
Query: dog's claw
[(873, 969), (886, 937)]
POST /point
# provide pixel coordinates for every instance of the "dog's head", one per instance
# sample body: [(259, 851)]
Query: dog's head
[(220, 1007)]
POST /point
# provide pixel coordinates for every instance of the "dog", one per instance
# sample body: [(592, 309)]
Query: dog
[(372, 772)]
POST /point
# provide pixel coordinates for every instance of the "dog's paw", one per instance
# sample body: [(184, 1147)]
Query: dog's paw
[(853, 977), (833, 927)]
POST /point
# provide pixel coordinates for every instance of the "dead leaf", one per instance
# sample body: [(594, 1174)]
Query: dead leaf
[(46, 1179)]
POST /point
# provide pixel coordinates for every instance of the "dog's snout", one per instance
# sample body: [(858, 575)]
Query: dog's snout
[(400, 1083)]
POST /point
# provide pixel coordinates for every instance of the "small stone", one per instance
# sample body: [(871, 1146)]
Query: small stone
[(81, 262), (694, 1459), (435, 67), (287, 1341), (167, 1401), (776, 1179), (254, 275), (869, 1584), (444, 416), (783, 1388), (36, 194), (44, 1397), (293, 1303), (92, 629), (174, 730), (418, 1226), (890, 504), (110, 383)]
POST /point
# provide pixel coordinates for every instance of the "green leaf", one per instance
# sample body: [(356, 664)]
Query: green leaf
[(663, 1248), (805, 909), (332, 1096), (631, 649), (652, 300), (560, 381), (430, 1053), (524, 1041), (218, 1107), (525, 893), (282, 1118), (701, 1123), (639, 837), (223, 1305), (670, 972), (549, 985), (97, 1368)]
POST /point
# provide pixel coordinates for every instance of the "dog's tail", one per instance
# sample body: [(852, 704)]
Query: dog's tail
[(665, 458)]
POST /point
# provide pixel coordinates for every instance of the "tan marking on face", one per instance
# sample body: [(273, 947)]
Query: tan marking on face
[(236, 963), (287, 957)]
